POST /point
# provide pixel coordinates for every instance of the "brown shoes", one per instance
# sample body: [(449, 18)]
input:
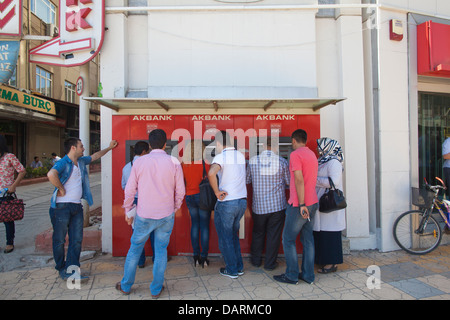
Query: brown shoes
[(156, 296), (119, 288)]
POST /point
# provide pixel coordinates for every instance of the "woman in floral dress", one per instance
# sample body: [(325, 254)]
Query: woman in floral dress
[(8, 164)]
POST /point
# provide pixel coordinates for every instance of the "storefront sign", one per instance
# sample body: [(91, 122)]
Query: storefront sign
[(25, 100), (81, 28), (80, 85), (433, 53), (11, 18), (9, 52)]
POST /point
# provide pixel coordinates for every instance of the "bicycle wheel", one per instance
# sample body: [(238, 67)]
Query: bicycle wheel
[(408, 236)]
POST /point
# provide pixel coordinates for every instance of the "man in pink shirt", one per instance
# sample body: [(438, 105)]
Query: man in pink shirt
[(158, 179), (302, 206)]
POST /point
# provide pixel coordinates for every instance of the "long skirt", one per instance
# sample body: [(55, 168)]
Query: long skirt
[(328, 247)]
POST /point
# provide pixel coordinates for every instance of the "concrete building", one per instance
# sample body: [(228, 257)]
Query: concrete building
[(34, 132), (344, 69)]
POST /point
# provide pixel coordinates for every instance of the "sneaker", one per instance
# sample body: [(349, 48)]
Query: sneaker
[(300, 277), (240, 272), (224, 272), (284, 279), (65, 276)]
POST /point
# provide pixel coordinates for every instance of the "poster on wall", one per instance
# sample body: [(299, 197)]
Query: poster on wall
[(9, 52), (81, 32)]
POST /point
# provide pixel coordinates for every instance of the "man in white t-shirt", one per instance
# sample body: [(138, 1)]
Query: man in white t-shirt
[(231, 192), (70, 177)]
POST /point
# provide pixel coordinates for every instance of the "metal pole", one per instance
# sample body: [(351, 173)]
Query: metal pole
[(84, 133)]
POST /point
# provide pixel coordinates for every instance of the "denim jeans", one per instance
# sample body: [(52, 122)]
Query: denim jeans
[(67, 218), (10, 229), (294, 224), (227, 216), (142, 228), (152, 241), (200, 220)]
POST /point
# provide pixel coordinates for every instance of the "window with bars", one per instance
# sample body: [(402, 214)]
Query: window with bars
[(44, 81)]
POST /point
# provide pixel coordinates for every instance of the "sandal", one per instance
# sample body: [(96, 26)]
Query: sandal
[(8, 250), (327, 270)]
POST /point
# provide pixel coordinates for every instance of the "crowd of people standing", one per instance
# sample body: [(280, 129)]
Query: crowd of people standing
[(164, 181), (156, 184)]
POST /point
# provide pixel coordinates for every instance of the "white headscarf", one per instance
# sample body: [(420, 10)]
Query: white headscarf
[(329, 149)]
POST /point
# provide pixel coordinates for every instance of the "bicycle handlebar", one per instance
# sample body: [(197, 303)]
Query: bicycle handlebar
[(436, 187)]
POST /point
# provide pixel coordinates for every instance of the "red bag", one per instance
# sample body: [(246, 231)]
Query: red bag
[(11, 208)]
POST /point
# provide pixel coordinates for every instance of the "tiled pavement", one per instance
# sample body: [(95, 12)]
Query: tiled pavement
[(26, 276), (403, 277)]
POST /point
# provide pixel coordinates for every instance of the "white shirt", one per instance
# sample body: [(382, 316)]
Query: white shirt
[(73, 187), (231, 174)]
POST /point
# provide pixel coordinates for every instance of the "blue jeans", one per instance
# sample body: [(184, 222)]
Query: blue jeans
[(152, 241), (199, 225), (294, 224), (162, 229), (67, 218), (227, 215)]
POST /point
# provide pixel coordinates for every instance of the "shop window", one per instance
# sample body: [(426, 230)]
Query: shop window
[(44, 82), (69, 90), (44, 10), (434, 128)]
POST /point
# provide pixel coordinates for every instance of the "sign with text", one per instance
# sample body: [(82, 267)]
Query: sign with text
[(25, 100), (81, 32), (11, 18), (9, 52)]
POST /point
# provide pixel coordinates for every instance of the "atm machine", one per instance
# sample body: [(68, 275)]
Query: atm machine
[(128, 129)]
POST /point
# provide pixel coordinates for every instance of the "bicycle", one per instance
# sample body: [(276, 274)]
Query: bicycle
[(417, 231)]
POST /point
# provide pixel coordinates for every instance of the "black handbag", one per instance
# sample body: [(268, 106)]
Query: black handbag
[(208, 198), (11, 208), (333, 199)]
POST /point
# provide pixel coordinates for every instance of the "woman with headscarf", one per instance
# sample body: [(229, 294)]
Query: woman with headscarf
[(328, 226)]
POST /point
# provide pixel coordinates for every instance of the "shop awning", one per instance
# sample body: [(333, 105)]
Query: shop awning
[(211, 106)]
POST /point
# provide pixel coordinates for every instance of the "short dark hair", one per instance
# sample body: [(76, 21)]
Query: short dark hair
[(223, 138), (140, 147), (300, 135), (69, 143), (157, 139), (53, 154), (36, 158), (3, 146)]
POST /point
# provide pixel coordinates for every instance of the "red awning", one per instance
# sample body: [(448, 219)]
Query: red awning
[(433, 49)]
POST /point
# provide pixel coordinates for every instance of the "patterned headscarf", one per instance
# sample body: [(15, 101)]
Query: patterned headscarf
[(329, 149)]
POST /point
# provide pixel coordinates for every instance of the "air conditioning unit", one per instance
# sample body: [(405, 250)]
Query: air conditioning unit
[(51, 30)]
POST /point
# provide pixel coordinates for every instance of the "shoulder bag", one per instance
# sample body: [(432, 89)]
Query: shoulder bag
[(11, 208), (333, 199)]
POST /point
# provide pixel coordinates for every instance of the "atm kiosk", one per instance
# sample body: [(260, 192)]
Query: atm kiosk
[(128, 129)]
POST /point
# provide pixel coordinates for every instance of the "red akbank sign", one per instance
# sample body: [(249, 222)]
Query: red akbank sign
[(81, 32)]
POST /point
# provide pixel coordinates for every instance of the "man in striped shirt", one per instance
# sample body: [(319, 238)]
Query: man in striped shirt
[(269, 175)]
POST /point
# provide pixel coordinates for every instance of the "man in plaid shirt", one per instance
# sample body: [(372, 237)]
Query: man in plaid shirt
[(269, 175)]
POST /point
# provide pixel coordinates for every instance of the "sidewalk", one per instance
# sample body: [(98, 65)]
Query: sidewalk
[(25, 275)]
